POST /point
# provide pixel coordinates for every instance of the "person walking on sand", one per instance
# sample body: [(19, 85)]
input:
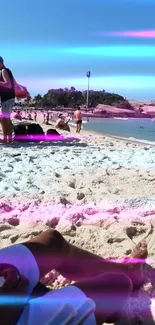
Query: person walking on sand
[(44, 117), (78, 119), (7, 94), (47, 118)]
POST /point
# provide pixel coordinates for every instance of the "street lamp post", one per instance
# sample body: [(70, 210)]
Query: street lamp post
[(87, 101)]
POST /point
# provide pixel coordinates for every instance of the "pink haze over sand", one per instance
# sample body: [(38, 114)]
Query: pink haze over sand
[(59, 214)]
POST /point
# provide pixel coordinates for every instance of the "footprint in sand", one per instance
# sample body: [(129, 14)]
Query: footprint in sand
[(57, 175), (18, 159), (8, 169), (138, 229), (16, 155), (72, 184)]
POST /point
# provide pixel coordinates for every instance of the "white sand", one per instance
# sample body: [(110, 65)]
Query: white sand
[(93, 191)]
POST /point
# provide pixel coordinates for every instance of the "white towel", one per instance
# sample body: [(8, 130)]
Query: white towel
[(41, 309)]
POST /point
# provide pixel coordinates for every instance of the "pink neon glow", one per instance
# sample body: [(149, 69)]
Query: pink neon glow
[(59, 214), (46, 138), (139, 34), (52, 138)]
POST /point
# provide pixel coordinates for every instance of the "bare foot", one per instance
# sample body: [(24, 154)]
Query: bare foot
[(136, 268), (10, 140), (140, 251)]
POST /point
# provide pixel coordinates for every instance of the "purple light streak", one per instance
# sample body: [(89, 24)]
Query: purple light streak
[(135, 34)]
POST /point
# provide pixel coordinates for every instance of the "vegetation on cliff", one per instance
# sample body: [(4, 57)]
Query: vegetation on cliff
[(72, 97)]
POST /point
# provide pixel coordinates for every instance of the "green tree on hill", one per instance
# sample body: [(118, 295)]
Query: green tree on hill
[(72, 97)]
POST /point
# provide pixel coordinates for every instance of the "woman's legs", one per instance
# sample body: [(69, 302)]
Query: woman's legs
[(7, 129), (10, 129), (110, 293), (49, 249), (52, 251), (4, 129), (7, 126)]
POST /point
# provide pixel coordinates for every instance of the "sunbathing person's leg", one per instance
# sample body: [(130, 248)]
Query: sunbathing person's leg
[(52, 251), (110, 293), (67, 128)]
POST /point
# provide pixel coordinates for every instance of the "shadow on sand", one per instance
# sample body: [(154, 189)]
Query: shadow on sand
[(46, 144)]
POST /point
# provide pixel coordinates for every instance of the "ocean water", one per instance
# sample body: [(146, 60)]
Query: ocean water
[(141, 129)]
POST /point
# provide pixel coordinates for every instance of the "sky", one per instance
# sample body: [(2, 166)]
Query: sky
[(53, 43)]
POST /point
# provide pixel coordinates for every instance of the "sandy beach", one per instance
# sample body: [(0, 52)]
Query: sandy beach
[(96, 191)]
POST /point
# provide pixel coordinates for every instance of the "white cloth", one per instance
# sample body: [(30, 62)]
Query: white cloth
[(41, 309)]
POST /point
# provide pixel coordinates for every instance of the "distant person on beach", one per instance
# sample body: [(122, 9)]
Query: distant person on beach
[(18, 115), (35, 116), (109, 284), (44, 118), (7, 94), (78, 119), (29, 116), (47, 118), (62, 124)]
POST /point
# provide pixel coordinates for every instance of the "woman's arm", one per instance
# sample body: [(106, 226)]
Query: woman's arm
[(6, 83)]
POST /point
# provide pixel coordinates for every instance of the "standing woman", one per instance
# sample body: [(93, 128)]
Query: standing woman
[(7, 94)]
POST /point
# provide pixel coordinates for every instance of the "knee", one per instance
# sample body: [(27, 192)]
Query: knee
[(53, 238)]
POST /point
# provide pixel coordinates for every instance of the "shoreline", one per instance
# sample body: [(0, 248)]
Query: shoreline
[(109, 136), (90, 133), (141, 142)]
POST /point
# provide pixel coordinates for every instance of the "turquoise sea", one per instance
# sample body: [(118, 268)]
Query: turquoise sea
[(141, 129)]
